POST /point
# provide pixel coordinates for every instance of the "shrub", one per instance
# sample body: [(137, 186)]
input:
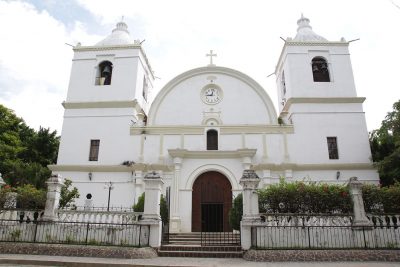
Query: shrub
[(139, 207), (236, 212), (30, 198), (301, 197), (381, 199)]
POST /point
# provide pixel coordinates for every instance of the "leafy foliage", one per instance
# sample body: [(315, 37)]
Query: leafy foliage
[(30, 198), (25, 153), (139, 207), (300, 197), (236, 213), (164, 209), (68, 194), (385, 147), (381, 199)]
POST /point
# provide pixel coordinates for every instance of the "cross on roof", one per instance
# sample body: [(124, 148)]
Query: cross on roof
[(211, 55)]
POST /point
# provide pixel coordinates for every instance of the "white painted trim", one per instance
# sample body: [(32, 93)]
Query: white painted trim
[(311, 167), (211, 167), (211, 154), (321, 100), (223, 129), (102, 104), (111, 168)]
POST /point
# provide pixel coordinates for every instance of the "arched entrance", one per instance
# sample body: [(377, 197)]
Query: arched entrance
[(211, 202)]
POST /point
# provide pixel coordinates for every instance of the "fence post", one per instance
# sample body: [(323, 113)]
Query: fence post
[(151, 214), (251, 214), (54, 184), (360, 218)]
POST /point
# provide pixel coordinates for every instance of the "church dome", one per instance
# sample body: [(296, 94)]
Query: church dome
[(305, 32), (119, 36)]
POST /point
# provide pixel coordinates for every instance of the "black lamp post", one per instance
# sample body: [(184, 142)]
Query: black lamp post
[(109, 186)]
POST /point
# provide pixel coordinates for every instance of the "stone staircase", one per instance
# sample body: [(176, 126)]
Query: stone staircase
[(189, 245)]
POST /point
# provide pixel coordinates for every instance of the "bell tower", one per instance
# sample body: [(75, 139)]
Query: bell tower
[(108, 91), (317, 94)]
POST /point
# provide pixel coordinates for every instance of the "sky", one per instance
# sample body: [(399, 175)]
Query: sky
[(35, 61)]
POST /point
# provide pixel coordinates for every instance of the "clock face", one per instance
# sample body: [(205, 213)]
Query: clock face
[(211, 95)]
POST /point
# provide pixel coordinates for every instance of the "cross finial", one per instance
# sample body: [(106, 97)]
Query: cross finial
[(211, 55)]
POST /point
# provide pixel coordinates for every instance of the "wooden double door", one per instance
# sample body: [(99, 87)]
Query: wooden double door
[(211, 202)]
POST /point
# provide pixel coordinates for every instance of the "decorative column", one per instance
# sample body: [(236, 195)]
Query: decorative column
[(54, 184), (175, 220), (151, 214), (251, 216), (360, 218)]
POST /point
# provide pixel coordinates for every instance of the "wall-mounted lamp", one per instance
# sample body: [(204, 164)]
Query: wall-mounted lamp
[(90, 176), (337, 175)]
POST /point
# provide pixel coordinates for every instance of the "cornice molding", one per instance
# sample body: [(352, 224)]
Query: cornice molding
[(212, 154), (223, 129), (322, 100), (111, 168), (101, 104), (317, 167), (108, 47), (313, 43)]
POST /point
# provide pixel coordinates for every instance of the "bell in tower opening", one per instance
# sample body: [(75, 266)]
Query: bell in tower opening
[(105, 73)]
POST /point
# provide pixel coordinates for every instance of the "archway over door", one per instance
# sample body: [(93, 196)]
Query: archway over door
[(211, 202)]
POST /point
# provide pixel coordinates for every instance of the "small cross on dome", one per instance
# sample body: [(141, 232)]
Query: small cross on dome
[(211, 55)]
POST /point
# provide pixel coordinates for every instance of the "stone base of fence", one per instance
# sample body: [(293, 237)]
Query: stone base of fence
[(322, 255), (77, 250)]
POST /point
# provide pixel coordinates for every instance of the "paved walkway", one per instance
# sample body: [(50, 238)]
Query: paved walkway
[(29, 260)]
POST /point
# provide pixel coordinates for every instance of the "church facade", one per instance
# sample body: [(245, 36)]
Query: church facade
[(207, 125)]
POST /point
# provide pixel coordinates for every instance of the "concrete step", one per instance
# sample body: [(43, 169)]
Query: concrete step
[(200, 248), (201, 254)]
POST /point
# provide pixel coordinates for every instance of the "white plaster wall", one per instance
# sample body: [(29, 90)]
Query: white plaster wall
[(309, 145), (241, 104), (121, 196), (110, 126)]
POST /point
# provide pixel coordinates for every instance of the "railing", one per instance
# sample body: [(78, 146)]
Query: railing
[(295, 219), (165, 233), (21, 214), (220, 238), (109, 234), (94, 216), (72, 215), (325, 237), (111, 208), (384, 220)]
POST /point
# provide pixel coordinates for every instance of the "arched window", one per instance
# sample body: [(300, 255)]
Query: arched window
[(104, 73), (320, 70), (212, 140)]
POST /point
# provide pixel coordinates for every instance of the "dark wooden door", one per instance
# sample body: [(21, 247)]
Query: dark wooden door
[(211, 202)]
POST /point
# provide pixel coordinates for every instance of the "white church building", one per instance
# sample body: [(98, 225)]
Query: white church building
[(207, 125)]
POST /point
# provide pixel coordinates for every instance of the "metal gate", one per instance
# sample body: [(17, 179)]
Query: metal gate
[(165, 224)]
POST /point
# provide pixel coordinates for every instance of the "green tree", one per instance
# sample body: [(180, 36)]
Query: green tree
[(25, 153), (385, 147), (68, 194)]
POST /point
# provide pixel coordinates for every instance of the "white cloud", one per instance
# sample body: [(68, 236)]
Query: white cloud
[(35, 63), (244, 33)]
